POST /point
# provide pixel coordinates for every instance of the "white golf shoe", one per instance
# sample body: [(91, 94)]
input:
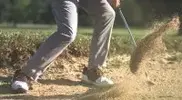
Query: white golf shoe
[(20, 82), (95, 77)]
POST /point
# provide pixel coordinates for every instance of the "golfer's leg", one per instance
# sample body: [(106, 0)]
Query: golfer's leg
[(65, 13), (104, 16)]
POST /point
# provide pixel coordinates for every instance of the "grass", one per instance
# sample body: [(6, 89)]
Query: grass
[(84, 36), (18, 44), (3, 83)]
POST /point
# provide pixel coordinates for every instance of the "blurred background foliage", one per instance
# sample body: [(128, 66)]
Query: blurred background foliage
[(139, 13)]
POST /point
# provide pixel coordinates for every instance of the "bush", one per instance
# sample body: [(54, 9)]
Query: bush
[(17, 45)]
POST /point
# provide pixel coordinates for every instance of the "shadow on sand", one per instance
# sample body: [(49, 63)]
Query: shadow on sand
[(7, 93)]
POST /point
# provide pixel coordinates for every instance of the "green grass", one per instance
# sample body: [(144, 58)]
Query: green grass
[(81, 30)]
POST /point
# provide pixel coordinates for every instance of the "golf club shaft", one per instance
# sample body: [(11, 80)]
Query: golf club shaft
[(125, 22), (126, 25)]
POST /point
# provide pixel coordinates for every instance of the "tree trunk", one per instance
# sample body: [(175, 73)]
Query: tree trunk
[(180, 27)]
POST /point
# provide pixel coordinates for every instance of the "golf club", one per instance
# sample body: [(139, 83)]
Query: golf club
[(126, 25)]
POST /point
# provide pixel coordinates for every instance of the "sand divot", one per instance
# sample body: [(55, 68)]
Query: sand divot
[(120, 91), (151, 47)]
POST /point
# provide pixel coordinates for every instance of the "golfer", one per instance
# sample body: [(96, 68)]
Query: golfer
[(66, 17)]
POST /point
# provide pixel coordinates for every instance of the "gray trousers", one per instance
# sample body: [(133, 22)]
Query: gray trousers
[(66, 16)]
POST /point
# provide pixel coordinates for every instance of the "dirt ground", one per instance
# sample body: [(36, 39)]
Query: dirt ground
[(62, 81)]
